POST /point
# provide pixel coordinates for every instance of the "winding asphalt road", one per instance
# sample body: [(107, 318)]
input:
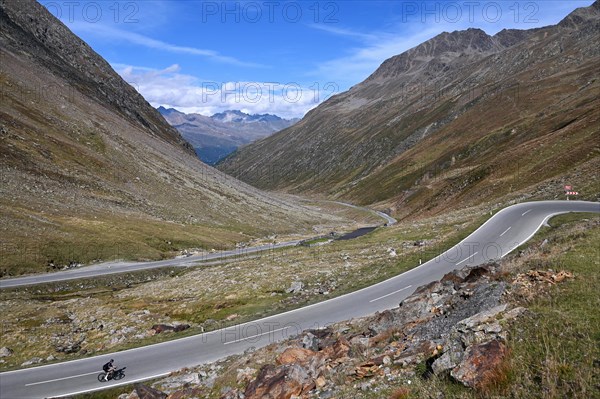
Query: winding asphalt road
[(500, 235), (106, 268)]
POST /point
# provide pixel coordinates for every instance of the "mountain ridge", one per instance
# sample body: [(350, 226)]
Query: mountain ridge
[(418, 114), (214, 137), (447, 46), (62, 58)]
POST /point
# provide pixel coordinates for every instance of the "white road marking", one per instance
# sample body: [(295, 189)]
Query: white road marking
[(391, 293), (526, 212), (464, 260), (64, 378), (255, 336), (505, 231), (112, 385)]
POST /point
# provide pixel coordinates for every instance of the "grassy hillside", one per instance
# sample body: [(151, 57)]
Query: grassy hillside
[(549, 140), (90, 171), (462, 119)]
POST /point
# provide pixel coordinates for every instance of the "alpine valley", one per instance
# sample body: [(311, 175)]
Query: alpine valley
[(91, 171), (396, 242), (214, 137)]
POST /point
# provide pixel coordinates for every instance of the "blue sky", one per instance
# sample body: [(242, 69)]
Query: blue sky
[(281, 57)]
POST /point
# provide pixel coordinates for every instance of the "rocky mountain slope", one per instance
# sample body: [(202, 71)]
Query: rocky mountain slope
[(217, 136), (89, 170), (460, 119)]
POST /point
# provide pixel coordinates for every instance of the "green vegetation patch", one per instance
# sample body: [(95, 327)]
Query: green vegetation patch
[(556, 354)]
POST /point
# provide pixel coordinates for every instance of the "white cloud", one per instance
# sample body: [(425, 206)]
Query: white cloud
[(363, 61), (344, 32), (111, 33), (172, 89)]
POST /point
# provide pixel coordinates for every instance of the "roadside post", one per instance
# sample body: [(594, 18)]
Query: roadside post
[(569, 191)]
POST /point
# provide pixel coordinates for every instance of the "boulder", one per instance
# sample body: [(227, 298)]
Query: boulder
[(361, 340), (34, 360), (384, 321), (448, 361), (476, 322), (415, 352), (339, 350), (309, 341), (466, 274), (160, 328), (296, 286), (68, 346), (245, 375), (366, 370), (481, 364), (283, 382), (180, 327), (185, 379), (4, 351), (299, 356)]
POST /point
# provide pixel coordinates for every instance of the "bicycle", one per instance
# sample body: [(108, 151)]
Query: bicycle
[(115, 375)]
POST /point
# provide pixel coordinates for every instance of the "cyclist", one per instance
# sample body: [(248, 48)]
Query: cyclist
[(108, 368)]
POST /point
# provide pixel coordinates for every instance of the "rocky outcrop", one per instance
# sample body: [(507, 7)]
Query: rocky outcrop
[(449, 326), (453, 329), (469, 336), (541, 276), (66, 344), (146, 392), (445, 47), (161, 328), (299, 370)]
